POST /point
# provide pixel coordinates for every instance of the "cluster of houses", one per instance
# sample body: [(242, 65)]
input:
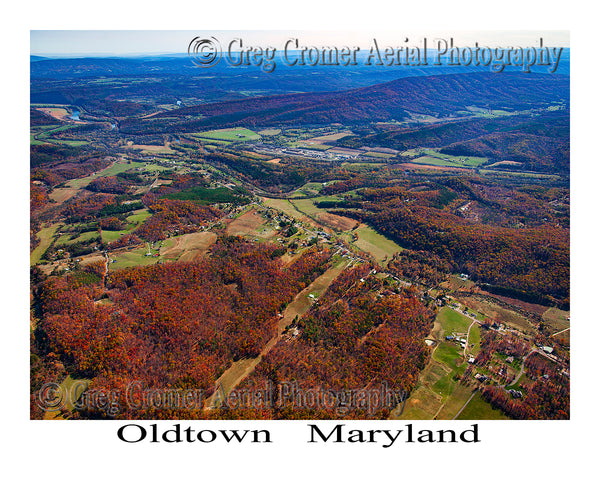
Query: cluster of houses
[(455, 338)]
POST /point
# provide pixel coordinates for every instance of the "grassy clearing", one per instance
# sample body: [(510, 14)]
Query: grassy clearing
[(376, 244), (133, 222), (429, 156), (286, 207), (113, 235), (478, 408), (453, 321), (330, 138), (61, 195), (307, 206), (71, 143), (132, 259), (557, 319), (445, 386), (422, 405), (249, 224), (33, 141), (152, 149), (55, 112), (45, 235), (228, 135), (187, 247), (303, 302), (112, 170), (309, 189), (320, 215), (138, 216), (455, 402), (499, 314), (447, 354), (67, 239), (442, 162), (61, 128), (71, 389), (270, 131), (456, 283), (378, 155), (438, 393), (150, 168), (475, 338), (506, 173)]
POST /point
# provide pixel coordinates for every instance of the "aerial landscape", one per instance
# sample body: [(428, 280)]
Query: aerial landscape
[(323, 242)]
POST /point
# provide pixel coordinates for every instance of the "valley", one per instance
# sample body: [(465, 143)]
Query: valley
[(412, 233)]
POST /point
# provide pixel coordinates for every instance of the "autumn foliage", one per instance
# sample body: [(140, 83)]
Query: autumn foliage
[(175, 217), (173, 325), (359, 336)]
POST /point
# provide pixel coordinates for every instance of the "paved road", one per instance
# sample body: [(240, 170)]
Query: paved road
[(533, 350)]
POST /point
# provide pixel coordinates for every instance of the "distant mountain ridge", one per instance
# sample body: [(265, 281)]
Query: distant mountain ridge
[(440, 96)]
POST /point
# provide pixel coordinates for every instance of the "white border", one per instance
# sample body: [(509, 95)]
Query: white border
[(90, 449)]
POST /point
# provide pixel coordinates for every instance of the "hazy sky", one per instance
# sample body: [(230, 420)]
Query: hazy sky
[(135, 42)]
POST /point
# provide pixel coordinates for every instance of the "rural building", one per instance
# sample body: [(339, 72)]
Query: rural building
[(516, 393)]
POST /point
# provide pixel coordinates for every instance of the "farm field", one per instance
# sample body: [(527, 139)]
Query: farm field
[(188, 247), (250, 224), (157, 149), (270, 131), (499, 314), (453, 321), (61, 195), (438, 393), (321, 216), (363, 237), (447, 161), (45, 235), (479, 408), (133, 258), (56, 112), (288, 208), (118, 166), (309, 189), (384, 156), (66, 239), (133, 222), (33, 141), (228, 135), (376, 244), (331, 137), (435, 154)]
